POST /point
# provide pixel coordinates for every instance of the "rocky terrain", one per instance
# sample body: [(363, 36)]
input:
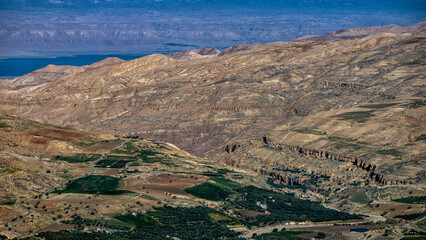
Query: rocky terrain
[(340, 120)]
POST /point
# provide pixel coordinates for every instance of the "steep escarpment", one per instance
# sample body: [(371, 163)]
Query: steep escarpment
[(206, 104)]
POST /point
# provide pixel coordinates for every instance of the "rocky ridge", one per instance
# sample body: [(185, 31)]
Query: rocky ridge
[(51, 73)]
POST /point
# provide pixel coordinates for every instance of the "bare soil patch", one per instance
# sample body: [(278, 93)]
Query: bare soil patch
[(55, 227), (57, 134), (7, 213), (176, 181), (330, 231)]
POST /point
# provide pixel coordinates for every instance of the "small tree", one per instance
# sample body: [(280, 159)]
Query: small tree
[(321, 235)]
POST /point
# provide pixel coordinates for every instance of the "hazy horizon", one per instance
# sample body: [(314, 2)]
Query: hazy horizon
[(43, 27)]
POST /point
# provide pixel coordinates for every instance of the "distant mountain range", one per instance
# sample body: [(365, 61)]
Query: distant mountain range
[(39, 28)]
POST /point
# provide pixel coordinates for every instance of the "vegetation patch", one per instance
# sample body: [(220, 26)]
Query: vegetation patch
[(422, 224), (316, 179), (335, 138), (7, 202), (392, 152), (181, 223), (127, 149), (209, 191), (224, 171), (225, 182), (3, 125), (146, 196), (11, 170), (360, 197), (340, 144), (220, 218), (421, 137), (416, 104), (114, 161), (118, 157), (308, 131), (111, 163), (415, 200), (137, 220), (411, 216), (290, 233), (360, 117), (146, 154), (237, 176), (284, 207), (212, 174), (379, 105), (94, 184), (80, 222), (78, 158), (134, 164)]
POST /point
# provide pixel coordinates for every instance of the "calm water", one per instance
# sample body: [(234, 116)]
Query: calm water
[(13, 67), (360, 230)]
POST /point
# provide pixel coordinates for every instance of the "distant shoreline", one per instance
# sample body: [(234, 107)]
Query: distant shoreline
[(17, 66)]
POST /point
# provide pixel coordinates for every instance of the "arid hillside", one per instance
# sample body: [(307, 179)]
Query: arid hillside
[(357, 102), (339, 122)]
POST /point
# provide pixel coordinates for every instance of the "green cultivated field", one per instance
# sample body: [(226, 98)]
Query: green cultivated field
[(113, 161), (392, 152), (94, 184), (308, 131), (415, 200), (225, 182), (127, 148), (356, 116), (379, 105), (209, 191), (78, 158)]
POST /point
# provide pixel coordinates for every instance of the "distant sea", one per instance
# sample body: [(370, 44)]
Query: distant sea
[(15, 67)]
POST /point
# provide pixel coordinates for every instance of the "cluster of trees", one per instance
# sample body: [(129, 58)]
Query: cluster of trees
[(209, 191), (284, 207), (80, 223), (182, 223), (93, 184)]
